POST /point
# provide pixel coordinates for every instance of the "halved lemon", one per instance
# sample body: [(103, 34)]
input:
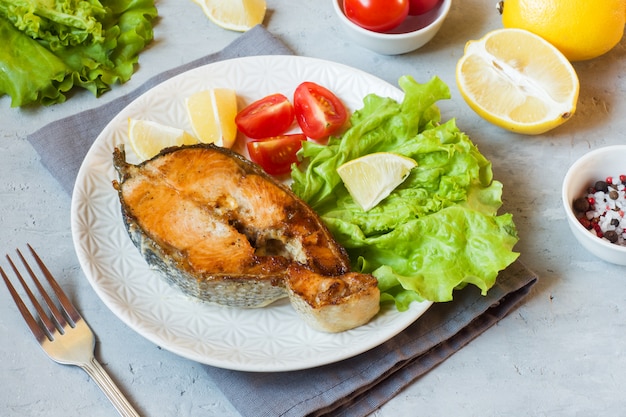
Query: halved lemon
[(212, 116), (237, 15), (371, 178), (148, 138), (518, 81)]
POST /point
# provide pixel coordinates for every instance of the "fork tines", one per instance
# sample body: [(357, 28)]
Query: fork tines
[(49, 328), (66, 338)]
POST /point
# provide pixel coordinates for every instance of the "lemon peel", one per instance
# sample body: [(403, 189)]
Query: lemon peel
[(580, 29)]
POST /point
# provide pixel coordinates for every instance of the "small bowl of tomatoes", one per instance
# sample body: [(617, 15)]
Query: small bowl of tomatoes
[(392, 27)]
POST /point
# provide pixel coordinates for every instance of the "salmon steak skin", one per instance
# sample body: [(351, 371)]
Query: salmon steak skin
[(215, 225)]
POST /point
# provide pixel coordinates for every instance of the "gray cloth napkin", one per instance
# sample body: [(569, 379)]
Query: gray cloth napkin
[(353, 387), (358, 386)]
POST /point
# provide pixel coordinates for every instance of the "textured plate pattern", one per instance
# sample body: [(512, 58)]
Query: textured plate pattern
[(268, 339)]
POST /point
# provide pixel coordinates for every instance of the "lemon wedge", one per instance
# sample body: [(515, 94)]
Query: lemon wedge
[(518, 81), (371, 178), (237, 15), (212, 116), (148, 138)]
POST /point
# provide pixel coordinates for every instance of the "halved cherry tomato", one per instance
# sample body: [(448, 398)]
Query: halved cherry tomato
[(270, 116), (318, 110), (376, 15), (275, 155), (417, 7)]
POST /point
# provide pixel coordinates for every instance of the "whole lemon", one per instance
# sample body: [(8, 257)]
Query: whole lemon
[(580, 29)]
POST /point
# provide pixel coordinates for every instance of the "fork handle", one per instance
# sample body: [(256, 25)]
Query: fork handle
[(106, 384)]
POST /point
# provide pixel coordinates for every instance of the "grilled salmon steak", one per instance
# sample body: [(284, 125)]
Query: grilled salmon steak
[(218, 227)]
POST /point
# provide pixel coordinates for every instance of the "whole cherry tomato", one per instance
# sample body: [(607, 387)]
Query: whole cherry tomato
[(267, 117), (376, 15), (276, 155), (319, 112), (417, 7)]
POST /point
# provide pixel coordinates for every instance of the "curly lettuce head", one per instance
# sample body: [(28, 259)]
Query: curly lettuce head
[(54, 45)]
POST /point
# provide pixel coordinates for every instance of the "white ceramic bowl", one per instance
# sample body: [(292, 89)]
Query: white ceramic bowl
[(412, 34), (593, 166)]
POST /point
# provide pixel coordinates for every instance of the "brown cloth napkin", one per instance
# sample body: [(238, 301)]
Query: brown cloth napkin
[(353, 387)]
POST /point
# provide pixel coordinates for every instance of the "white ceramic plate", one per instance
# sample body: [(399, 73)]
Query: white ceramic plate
[(262, 340)]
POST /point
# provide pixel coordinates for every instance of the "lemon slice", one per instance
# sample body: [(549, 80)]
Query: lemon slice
[(237, 15), (371, 178), (212, 116), (148, 138), (518, 81)]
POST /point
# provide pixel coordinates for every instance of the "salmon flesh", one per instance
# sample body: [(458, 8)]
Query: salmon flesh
[(219, 228)]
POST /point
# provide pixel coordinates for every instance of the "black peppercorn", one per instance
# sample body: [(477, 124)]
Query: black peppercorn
[(613, 195), (601, 186), (581, 205), (611, 235)]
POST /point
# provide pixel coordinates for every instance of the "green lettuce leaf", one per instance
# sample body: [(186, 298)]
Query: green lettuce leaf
[(439, 230), (56, 45), (57, 23), (17, 77)]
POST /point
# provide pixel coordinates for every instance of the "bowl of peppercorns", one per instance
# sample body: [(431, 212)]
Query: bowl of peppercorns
[(594, 198)]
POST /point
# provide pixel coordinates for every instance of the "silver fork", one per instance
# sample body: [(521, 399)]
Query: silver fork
[(65, 337)]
